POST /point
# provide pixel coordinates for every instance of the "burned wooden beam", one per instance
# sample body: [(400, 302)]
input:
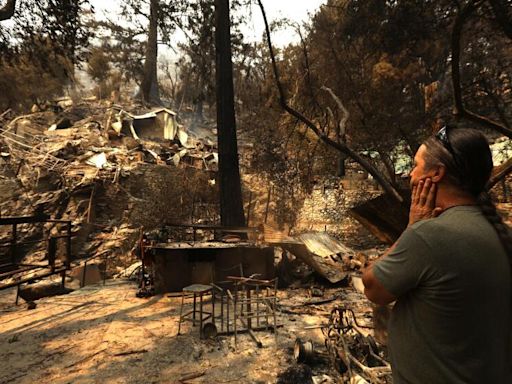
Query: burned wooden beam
[(32, 278), (23, 219), (499, 173)]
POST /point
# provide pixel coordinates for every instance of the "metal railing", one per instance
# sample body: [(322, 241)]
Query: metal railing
[(10, 261)]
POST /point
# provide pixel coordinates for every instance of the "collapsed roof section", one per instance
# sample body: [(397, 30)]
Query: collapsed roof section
[(383, 216), (161, 124), (157, 124)]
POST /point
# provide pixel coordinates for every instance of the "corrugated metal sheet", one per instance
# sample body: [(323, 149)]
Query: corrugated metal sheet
[(324, 245), (322, 253)]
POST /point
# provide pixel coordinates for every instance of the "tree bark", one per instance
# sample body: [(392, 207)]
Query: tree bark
[(8, 10), (149, 86), (231, 204)]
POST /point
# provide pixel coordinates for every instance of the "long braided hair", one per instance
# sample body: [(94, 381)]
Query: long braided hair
[(468, 160)]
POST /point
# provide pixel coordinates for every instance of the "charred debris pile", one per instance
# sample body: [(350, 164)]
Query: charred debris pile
[(118, 173), (109, 169)]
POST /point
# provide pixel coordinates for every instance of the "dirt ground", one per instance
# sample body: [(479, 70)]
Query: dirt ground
[(105, 334)]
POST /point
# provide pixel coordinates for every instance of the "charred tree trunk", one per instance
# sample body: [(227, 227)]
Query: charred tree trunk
[(149, 86), (231, 205), (199, 104)]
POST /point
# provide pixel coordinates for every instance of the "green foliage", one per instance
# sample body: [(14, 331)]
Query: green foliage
[(98, 65), (136, 13), (60, 24), (487, 68), (197, 65), (125, 46)]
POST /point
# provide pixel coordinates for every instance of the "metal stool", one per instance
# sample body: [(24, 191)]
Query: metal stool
[(197, 290)]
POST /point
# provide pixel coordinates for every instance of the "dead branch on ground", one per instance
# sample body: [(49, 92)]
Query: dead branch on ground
[(134, 352)]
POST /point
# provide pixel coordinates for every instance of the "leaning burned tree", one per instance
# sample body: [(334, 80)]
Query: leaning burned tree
[(231, 205)]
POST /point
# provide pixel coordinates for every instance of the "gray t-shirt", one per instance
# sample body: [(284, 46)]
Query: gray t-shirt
[(452, 320)]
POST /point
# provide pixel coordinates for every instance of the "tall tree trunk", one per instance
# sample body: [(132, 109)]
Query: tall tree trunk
[(231, 205), (199, 104), (149, 86)]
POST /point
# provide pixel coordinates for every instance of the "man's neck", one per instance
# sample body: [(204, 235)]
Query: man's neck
[(449, 196)]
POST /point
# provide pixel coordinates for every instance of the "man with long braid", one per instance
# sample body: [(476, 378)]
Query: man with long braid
[(449, 272)]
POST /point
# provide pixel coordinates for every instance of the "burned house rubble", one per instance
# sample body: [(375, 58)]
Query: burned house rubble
[(102, 180), (108, 235)]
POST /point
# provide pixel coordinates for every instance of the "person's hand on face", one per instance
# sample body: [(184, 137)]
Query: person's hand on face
[(423, 201)]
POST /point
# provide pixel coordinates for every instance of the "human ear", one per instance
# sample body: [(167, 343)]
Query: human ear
[(439, 173)]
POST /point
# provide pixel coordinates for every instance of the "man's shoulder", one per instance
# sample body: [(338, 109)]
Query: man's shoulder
[(432, 232), (450, 221), (428, 226)]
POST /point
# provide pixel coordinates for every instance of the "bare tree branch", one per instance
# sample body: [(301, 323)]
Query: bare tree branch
[(342, 147), (306, 63), (8, 10), (342, 125), (459, 110)]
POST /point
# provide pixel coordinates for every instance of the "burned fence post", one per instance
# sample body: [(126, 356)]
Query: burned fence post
[(84, 275), (13, 243), (52, 251), (68, 244)]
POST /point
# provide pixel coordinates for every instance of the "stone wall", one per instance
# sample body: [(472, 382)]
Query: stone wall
[(326, 209)]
